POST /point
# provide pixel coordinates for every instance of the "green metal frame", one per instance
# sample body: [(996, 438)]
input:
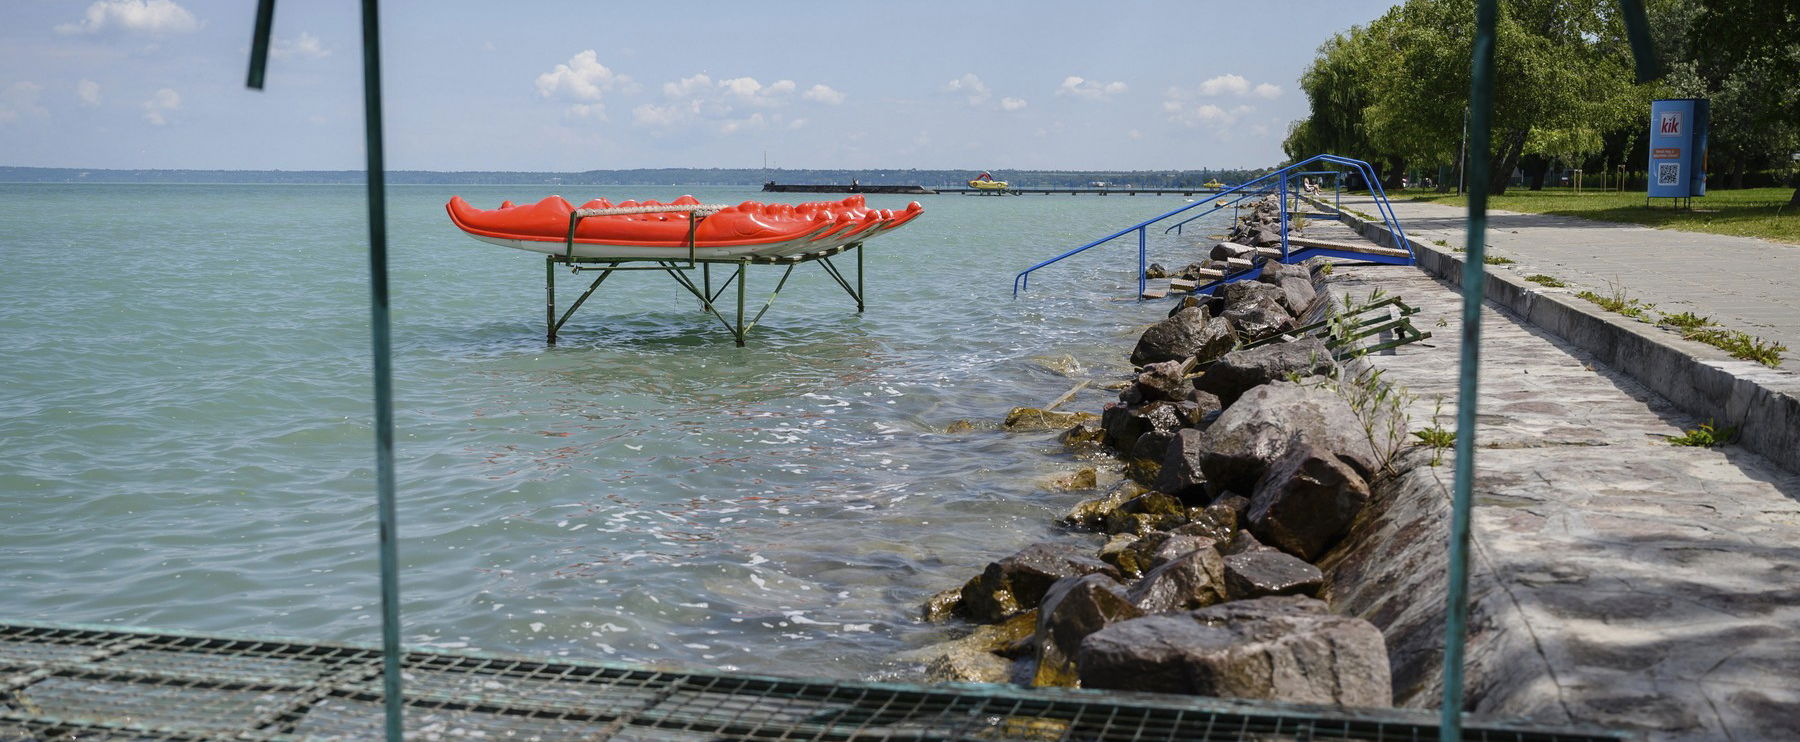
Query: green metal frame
[(680, 271)]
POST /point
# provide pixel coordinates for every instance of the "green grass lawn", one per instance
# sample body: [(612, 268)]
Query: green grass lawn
[(1751, 212)]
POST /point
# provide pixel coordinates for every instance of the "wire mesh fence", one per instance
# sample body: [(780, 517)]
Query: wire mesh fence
[(85, 683)]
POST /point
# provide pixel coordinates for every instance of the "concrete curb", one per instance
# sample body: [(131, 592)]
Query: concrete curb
[(1761, 402)]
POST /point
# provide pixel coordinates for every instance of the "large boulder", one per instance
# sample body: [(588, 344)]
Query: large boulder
[(1288, 648), (1258, 316), (1250, 435), (1017, 583), (1268, 235), (1191, 333), (1217, 521), (1274, 272), (1225, 250), (1091, 514), (1073, 608), (1243, 291), (1256, 573), (1306, 501), (1164, 381), (1031, 418), (1297, 294), (1188, 581), (1151, 511), (1085, 434), (1124, 424), (1180, 474), (1240, 370)]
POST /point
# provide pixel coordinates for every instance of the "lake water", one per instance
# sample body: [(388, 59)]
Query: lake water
[(185, 425)]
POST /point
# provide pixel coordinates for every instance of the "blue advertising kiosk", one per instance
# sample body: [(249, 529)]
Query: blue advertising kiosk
[(1678, 149)]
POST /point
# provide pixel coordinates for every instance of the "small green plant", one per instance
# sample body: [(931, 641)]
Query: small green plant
[(1298, 221), (1325, 269), (1543, 280), (1620, 303), (1739, 345), (1440, 243), (1380, 406), (1685, 321), (1705, 436), (1436, 436), (1496, 260)]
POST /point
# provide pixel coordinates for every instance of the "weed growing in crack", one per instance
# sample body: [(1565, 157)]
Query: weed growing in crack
[(1543, 280), (1618, 302), (1436, 436), (1739, 345), (1705, 436)]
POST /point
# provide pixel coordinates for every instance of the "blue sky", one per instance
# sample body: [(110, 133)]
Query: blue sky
[(995, 84)]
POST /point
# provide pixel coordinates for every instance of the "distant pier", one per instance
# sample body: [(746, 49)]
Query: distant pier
[(1082, 191), (774, 187)]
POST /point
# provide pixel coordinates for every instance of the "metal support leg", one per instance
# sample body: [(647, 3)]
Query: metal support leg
[(859, 283), (706, 278), (743, 268), (550, 299)]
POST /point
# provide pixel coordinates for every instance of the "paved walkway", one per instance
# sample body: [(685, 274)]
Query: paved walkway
[(1743, 283), (1618, 579)]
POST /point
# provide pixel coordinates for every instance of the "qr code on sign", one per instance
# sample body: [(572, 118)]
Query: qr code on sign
[(1668, 173)]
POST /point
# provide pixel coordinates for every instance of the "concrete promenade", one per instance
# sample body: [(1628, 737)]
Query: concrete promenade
[(1617, 579), (1743, 283)]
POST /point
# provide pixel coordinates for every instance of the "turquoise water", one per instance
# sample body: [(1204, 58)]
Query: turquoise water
[(185, 420)]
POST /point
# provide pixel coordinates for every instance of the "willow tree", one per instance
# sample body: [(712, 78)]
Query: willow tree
[(1397, 87)]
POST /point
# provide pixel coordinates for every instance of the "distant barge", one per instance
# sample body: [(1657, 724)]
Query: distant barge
[(774, 187)]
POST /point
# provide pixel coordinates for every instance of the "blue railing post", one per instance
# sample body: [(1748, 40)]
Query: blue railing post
[(1142, 266), (1284, 217)]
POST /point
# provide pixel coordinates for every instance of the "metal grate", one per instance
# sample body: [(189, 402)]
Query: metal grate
[(86, 683)]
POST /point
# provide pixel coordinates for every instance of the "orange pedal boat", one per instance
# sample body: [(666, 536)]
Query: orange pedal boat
[(649, 229)]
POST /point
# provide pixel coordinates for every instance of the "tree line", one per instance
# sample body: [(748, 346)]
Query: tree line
[(1395, 92)]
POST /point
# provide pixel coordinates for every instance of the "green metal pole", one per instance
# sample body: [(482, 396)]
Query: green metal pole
[(550, 299), (859, 283), (384, 373), (1481, 100), (743, 267), (259, 43)]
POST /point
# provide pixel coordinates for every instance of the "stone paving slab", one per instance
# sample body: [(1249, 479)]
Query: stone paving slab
[(1743, 283), (1617, 580)]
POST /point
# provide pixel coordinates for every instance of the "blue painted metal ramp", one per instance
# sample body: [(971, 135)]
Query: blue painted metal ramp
[(1293, 250)]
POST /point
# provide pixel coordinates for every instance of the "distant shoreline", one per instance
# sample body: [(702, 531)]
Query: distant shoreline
[(662, 177)]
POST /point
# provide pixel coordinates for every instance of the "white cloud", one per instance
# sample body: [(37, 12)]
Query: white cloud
[(1012, 104), (823, 94), (19, 100), (1134, 135), (161, 102), (687, 86), (304, 46), (141, 16), (1225, 84), (970, 87), (748, 90), (88, 91), (583, 81), (1205, 113), (1229, 84), (753, 121), (702, 98), (1089, 89)]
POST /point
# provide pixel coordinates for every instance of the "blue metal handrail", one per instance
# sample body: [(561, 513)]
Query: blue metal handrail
[(1255, 187)]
